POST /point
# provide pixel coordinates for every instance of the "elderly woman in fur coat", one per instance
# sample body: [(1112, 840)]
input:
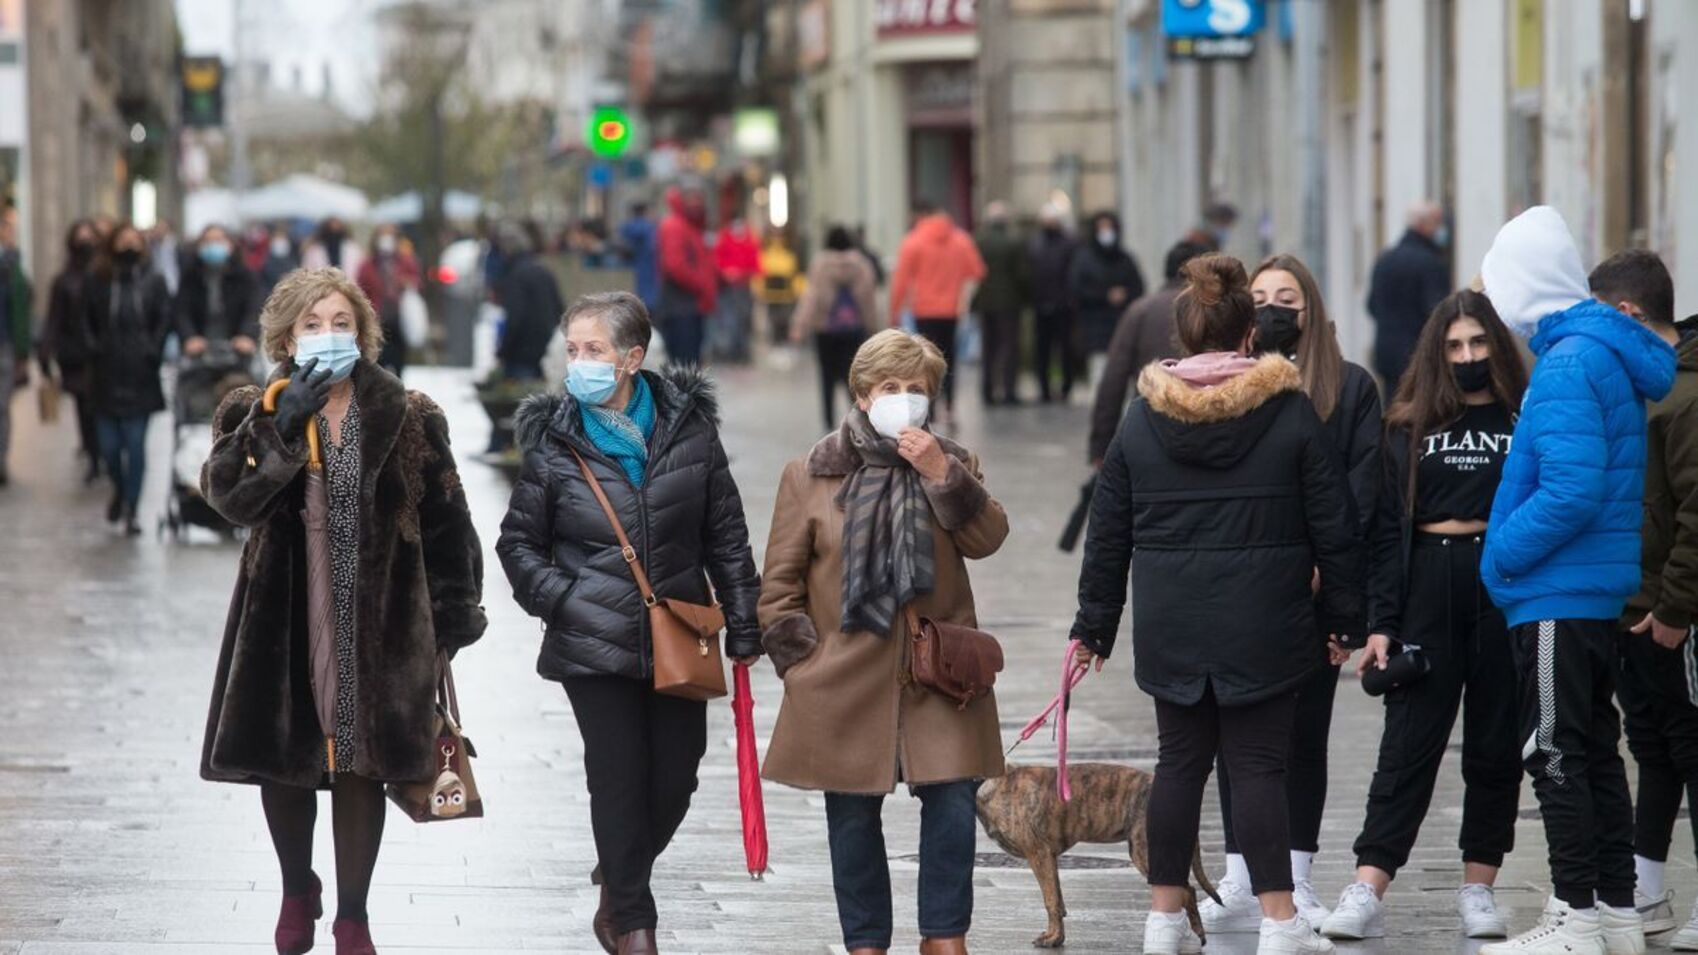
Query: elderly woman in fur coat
[(880, 516), (407, 577)]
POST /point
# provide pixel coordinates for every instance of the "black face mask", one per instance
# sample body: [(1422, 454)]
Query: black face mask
[(1276, 329), (127, 258), (82, 251), (1472, 376)]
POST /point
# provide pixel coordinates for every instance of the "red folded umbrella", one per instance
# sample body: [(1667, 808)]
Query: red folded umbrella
[(749, 775)]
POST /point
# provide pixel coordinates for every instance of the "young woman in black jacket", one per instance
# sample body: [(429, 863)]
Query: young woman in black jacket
[(1291, 320), (1224, 483), (1447, 435), (59, 335)]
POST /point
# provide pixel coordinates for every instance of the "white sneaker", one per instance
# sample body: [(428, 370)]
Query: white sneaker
[(1360, 914), (1479, 910), (1308, 903), (1295, 937), (1170, 934), (1624, 930), (1658, 913), (1237, 910), (1686, 940), (1561, 931)]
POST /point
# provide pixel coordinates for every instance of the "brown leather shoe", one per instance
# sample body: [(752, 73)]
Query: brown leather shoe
[(944, 946), (640, 942), (605, 932)]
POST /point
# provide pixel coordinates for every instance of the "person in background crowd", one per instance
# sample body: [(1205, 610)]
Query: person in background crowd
[(386, 275), (652, 443), (1216, 227), (332, 247), (406, 584), (494, 257), (218, 301), (531, 297), (1000, 303), (637, 244), (737, 257), (253, 246), (1102, 280), (1448, 432), (1222, 472), (879, 518), (1145, 334), (165, 252), (17, 328), (1056, 337), (126, 316), (1291, 320), (936, 268), (1659, 710), (839, 309), (1408, 280), (689, 283), (280, 260), (1561, 559), (780, 285), (872, 256), (58, 345)]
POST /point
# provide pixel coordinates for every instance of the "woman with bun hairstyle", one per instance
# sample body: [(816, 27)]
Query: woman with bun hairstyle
[(1291, 320), (1447, 434), (1221, 471)]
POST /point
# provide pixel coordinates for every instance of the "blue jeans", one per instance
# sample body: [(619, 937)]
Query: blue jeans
[(682, 332), (860, 870), (123, 443)]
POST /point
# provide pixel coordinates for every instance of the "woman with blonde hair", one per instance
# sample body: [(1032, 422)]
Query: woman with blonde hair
[(880, 518), (407, 577)]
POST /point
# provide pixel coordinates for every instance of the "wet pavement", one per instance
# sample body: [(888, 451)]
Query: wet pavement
[(110, 842)]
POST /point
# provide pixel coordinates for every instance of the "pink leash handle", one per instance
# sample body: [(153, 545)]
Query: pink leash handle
[(1072, 672)]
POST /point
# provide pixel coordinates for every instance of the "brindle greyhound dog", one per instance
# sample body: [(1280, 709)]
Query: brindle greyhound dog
[(1023, 814)]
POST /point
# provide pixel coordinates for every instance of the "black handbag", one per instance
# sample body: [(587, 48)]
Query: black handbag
[(1403, 669)]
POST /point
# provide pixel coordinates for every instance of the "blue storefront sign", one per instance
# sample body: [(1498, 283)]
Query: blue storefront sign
[(1200, 19)]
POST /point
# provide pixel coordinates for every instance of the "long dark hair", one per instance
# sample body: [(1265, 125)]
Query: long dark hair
[(1319, 360), (1428, 397), (105, 264)]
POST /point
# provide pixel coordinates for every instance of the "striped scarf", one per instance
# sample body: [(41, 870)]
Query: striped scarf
[(887, 532), (624, 435)]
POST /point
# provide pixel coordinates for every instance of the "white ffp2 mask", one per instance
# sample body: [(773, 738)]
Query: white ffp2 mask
[(890, 414)]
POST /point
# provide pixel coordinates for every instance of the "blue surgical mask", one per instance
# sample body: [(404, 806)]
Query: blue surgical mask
[(591, 382), (1441, 236), (214, 253), (337, 351)]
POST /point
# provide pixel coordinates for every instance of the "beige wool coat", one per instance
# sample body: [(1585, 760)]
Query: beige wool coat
[(851, 722)]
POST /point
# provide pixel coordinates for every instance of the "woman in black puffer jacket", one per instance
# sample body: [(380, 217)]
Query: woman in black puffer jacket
[(1223, 482), (652, 442)]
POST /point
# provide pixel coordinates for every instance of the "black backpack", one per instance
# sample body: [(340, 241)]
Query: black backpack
[(844, 316)]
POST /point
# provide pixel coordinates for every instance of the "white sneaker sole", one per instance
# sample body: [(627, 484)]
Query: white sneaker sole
[(1685, 941), (1234, 924), (1486, 931)]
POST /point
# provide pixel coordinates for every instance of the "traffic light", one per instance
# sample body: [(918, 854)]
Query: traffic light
[(610, 132)]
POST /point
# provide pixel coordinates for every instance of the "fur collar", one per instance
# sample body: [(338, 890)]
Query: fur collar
[(834, 456), (677, 392), (1168, 395)]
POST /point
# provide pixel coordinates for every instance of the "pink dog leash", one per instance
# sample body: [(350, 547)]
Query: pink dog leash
[(1072, 671)]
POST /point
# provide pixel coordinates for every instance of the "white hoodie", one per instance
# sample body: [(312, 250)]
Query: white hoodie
[(1533, 270)]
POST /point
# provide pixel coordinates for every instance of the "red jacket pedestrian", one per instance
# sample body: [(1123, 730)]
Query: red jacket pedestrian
[(933, 267), (737, 254), (685, 266)]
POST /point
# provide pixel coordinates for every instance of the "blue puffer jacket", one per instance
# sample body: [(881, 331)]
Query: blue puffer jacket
[(1563, 543)]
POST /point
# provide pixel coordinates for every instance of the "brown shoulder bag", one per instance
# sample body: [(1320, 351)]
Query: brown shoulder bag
[(954, 661), (450, 792), (685, 635)]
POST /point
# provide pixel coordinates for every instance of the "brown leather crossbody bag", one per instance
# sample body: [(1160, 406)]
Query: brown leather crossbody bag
[(954, 661), (685, 635)]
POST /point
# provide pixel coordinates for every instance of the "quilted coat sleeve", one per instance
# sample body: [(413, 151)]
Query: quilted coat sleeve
[(526, 544), (1108, 553), (1334, 533), (730, 563), (453, 557), (250, 464), (1562, 427)]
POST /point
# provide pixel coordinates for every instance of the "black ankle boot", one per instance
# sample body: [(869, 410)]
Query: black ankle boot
[(115, 509)]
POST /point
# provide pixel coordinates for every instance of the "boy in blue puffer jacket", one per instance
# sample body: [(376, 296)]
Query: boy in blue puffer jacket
[(1561, 559)]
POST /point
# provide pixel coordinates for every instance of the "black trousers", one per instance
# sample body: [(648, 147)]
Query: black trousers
[(1659, 707), (941, 332), (836, 352), (1572, 750), (1057, 339), (1255, 741), (641, 751), (1001, 375), (1306, 779), (1448, 615)]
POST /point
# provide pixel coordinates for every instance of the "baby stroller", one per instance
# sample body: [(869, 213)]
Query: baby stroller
[(202, 383)]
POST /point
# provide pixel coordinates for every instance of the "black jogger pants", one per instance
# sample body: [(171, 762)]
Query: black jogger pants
[(1659, 708)]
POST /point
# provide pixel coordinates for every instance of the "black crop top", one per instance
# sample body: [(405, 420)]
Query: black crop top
[(1460, 466)]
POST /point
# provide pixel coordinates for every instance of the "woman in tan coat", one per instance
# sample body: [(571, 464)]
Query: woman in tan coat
[(839, 309), (879, 516)]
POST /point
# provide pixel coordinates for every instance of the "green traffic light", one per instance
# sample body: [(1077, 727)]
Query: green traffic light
[(609, 132)]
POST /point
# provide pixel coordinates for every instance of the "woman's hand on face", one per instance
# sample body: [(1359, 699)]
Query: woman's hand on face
[(1379, 648), (920, 448)]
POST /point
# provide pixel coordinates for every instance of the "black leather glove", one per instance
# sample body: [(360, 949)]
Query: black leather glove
[(307, 393)]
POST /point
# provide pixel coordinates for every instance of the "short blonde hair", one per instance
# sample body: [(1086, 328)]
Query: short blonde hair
[(894, 353), (299, 291)]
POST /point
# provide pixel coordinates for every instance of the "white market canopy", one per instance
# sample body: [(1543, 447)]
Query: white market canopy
[(303, 197), (409, 207)]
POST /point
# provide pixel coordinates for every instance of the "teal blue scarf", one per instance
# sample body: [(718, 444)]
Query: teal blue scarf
[(624, 435)]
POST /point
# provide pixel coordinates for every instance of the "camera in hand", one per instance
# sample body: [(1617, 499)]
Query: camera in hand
[(1402, 669)]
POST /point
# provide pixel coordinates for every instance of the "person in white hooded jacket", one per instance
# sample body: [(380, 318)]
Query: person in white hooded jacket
[(1561, 558)]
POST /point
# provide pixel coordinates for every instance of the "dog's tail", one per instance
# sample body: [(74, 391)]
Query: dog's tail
[(1202, 874)]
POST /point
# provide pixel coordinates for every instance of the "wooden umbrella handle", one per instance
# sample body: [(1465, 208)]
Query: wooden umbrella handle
[(269, 405)]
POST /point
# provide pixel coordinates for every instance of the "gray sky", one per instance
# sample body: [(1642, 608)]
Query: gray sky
[(293, 34)]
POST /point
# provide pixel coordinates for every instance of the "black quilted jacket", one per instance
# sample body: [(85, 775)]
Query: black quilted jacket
[(563, 559)]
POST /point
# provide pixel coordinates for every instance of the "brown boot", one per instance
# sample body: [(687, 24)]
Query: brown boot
[(944, 946), (605, 932), (640, 942), (869, 951)]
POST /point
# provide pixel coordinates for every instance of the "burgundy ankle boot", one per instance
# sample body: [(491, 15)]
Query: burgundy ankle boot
[(296, 923), (352, 938)]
